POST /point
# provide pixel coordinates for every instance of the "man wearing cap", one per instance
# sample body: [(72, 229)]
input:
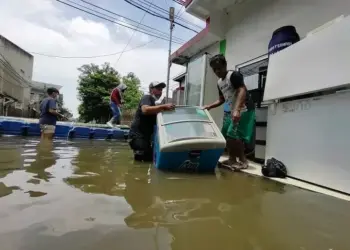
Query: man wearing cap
[(116, 100), (49, 114), (142, 128)]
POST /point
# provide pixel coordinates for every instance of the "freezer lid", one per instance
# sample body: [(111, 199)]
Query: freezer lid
[(185, 113), (190, 130)]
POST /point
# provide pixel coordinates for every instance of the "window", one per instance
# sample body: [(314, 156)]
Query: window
[(194, 81), (254, 73)]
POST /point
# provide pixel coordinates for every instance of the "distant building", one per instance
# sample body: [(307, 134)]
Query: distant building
[(38, 93), (179, 92), (16, 70)]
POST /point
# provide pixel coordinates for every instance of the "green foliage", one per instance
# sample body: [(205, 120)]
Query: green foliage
[(95, 86), (62, 109), (133, 94)]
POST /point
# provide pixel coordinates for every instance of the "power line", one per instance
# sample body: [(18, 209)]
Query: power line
[(166, 2), (12, 71), (112, 21), (97, 56), (177, 15), (118, 15), (146, 28), (132, 35), (165, 11), (157, 15), (10, 82)]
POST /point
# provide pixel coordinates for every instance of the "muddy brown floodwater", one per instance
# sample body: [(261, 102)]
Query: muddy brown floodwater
[(91, 195)]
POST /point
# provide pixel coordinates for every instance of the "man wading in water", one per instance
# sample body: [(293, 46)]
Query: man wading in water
[(49, 114), (239, 130), (142, 128)]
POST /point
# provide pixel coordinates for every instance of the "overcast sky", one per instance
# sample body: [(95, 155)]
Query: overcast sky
[(49, 27)]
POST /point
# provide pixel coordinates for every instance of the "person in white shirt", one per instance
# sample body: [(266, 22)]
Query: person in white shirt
[(240, 130)]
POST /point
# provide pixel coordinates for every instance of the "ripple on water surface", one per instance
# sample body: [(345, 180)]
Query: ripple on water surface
[(91, 195)]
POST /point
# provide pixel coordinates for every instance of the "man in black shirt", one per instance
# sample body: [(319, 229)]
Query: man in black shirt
[(142, 128)]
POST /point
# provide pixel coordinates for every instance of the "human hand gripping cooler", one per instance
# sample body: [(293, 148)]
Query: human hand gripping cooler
[(187, 139)]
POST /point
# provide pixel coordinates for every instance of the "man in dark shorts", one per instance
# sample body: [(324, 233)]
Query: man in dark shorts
[(142, 128), (238, 130), (49, 114)]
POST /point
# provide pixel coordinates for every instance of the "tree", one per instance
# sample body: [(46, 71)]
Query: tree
[(62, 109), (133, 94), (95, 85)]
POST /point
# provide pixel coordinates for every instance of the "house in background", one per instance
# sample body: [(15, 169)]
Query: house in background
[(179, 92), (19, 95), (38, 93), (16, 70)]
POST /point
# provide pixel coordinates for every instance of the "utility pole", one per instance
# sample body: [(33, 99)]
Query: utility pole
[(171, 18)]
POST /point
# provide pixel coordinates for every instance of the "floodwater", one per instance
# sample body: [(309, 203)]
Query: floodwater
[(91, 195)]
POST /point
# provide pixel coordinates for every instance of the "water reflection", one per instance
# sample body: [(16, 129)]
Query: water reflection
[(179, 203), (91, 195), (5, 190), (10, 157), (44, 159), (100, 169), (190, 207)]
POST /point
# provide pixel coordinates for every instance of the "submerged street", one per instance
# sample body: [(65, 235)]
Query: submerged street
[(91, 195)]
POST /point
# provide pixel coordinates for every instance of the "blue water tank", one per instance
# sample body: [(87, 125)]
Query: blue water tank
[(62, 131), (33, 129), (100, 133), (12, 127), (282, 38), (120, 134), (82, 133)]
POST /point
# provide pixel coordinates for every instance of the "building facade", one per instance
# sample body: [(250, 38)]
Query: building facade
[(16, 70), (179, 92), (242, 30)]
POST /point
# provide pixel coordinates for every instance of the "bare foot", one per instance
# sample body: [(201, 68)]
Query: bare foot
[(243, 165), (230, 164)]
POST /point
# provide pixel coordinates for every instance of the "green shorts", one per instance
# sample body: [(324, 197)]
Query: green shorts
[(243, 130)]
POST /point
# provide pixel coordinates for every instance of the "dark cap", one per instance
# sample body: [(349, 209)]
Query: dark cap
[(52, 90), (157, 84)]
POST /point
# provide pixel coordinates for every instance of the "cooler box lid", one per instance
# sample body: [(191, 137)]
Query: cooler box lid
[(188, 125)]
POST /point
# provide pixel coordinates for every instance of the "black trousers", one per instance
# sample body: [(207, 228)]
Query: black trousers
[(143, 149)]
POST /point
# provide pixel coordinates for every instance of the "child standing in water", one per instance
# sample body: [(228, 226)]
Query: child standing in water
[(49, 114)]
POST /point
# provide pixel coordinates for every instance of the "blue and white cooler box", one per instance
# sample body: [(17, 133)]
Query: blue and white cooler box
[(187, 139)]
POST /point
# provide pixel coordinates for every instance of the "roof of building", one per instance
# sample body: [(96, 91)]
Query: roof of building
[(195, 45), (179, 77), (185, 2), (9, 43), (44, 85)]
